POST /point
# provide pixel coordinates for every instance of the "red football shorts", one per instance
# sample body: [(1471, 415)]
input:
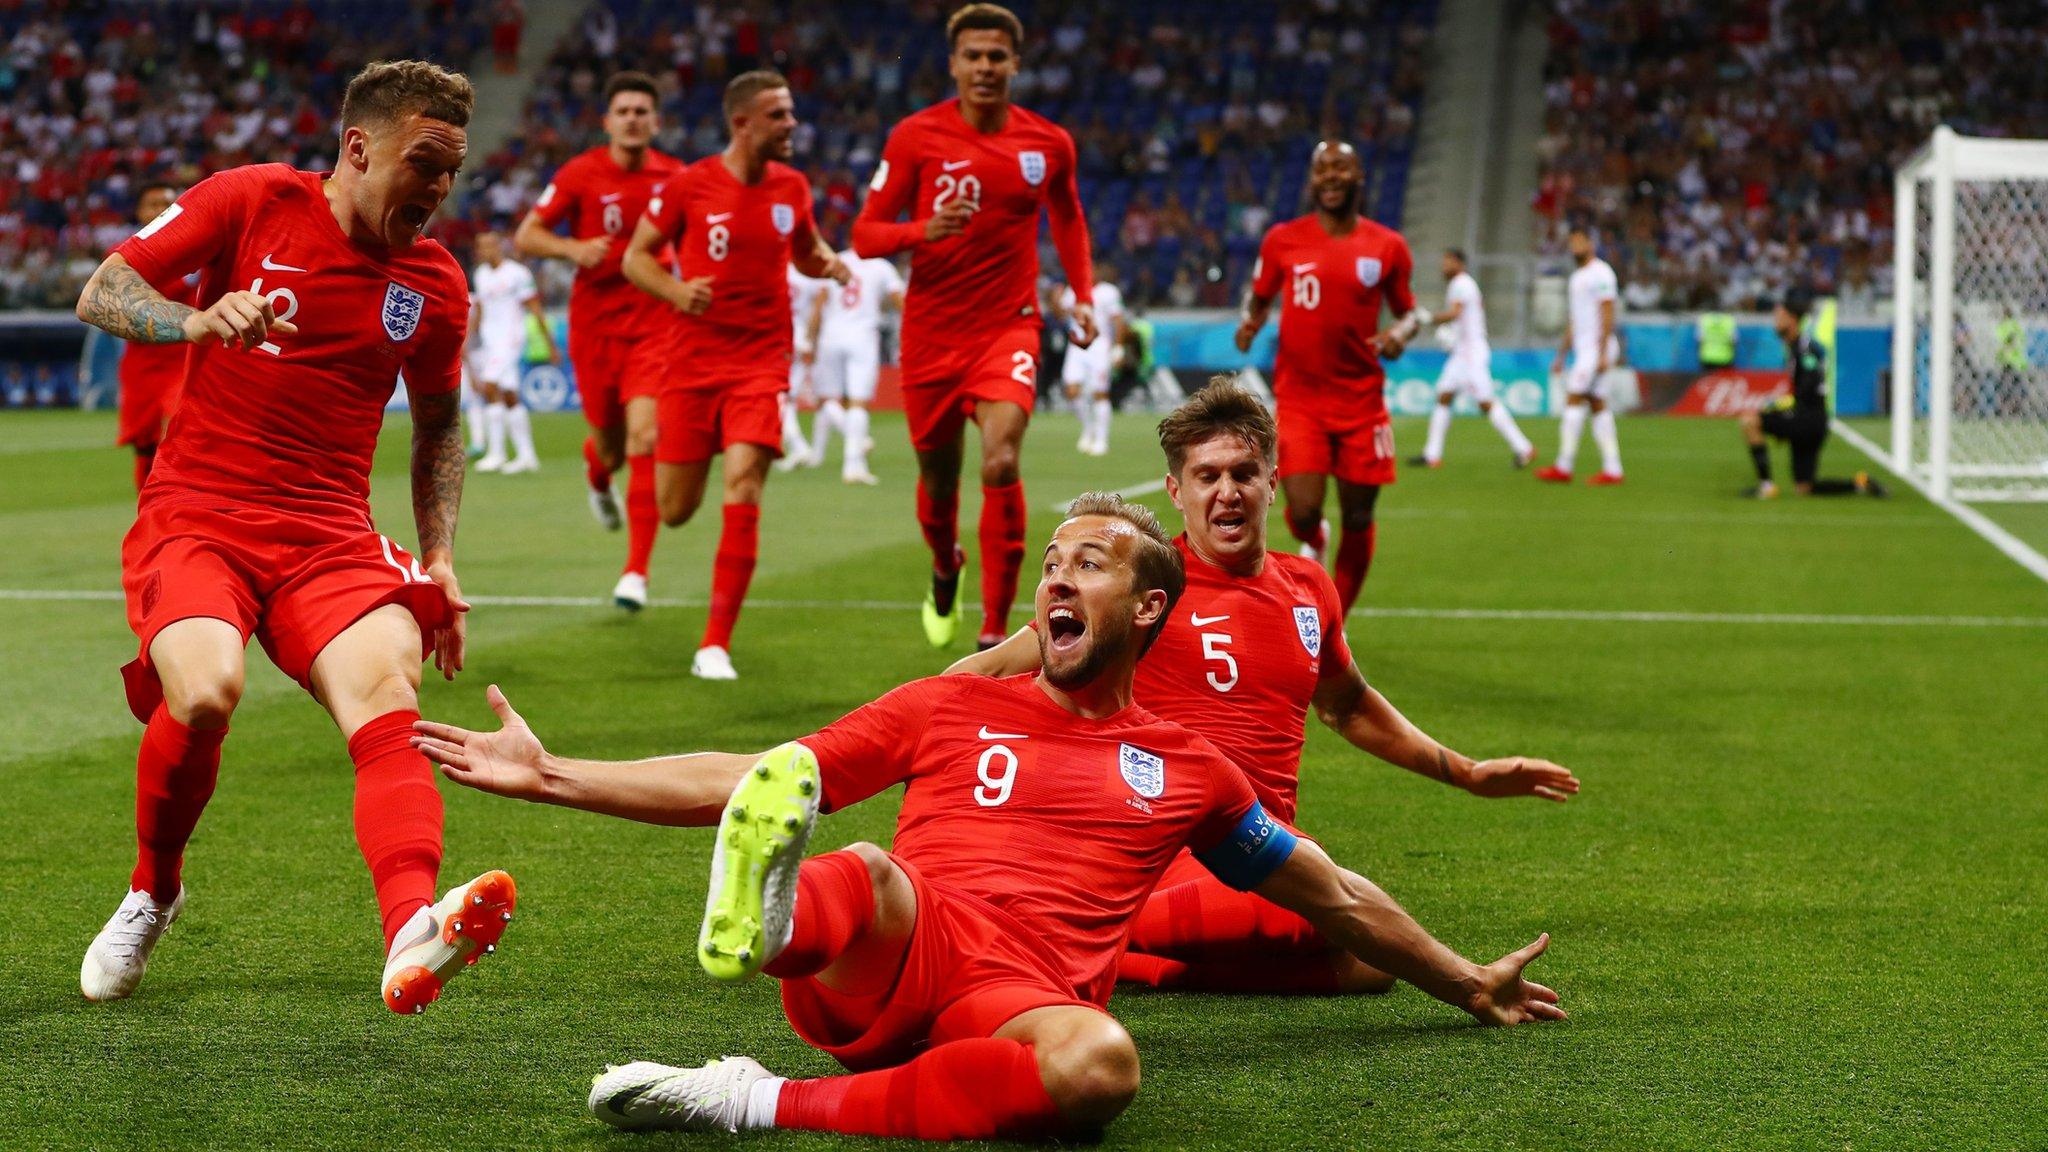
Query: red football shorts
[(1354, 451), (699, 423), (610, 370), (942, 384), (152, 376), (966, 973), (295, 582)]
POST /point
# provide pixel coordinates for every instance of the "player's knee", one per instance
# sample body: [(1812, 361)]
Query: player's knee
[(999, 465), (1091, 1073), (206, 700), (1304, 522), (895, 899), (639, 442), (743, 490)]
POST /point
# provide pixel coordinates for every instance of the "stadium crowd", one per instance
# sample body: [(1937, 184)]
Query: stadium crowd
[(1726, 151), (97, 98), (1193, 121)]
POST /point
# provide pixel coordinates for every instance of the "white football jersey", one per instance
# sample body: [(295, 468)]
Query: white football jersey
[(853, 311), (1585, 291), (501, 295), (1109, 304), (1468, 331)]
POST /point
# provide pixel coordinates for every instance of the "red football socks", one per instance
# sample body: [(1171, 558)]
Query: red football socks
[(987, 1089), (643, 513), (1354, 559), (398, 817), (594, 471), (1318, 540), (174, 778), (1002, 554), (732, 569), (1280, 974), (835, 904), (940, 520)]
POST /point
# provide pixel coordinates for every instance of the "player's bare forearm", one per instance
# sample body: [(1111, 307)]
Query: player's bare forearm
[(117, 300), (1356, 915), (646, 273), (1356, 711), (815, 261), (1017, 654), (438, 466), (686, 791), (534, 238)]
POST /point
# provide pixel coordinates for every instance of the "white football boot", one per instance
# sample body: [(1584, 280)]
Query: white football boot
[(1311, 552), (644, 1095), (119, 955), (713, 663), (444, 938), (604, 504), (630, 592), (520, 464)]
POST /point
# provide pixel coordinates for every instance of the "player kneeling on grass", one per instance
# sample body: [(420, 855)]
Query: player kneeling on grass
[(256, 520), (1255, 640), (1801, 419), (962, 977)]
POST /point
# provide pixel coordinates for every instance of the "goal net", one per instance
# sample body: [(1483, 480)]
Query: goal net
[(1969, 398)]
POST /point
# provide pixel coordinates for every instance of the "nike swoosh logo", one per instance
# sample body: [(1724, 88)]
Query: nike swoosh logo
[(610, 198), (950, 165), (988, 735), (618, 1102), (718, 217), (1308, 267), (269, 266), (1200, 621)]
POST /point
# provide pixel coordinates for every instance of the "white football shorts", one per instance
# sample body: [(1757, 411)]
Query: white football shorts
[(848, 371), (1470, 373)]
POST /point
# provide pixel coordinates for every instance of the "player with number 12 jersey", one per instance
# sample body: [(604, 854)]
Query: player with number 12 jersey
[(974, 173)]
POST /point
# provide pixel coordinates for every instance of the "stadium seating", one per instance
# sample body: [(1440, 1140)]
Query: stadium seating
[(1177, 199), (97, 96), (1725, 151)]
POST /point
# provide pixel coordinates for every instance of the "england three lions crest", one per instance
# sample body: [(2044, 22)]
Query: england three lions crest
[(1033, 164), (402, 310), (1144, 772), (784, 217), (1309, 626), (1368, 270)]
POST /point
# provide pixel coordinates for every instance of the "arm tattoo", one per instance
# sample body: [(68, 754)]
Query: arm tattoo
[(120, 301), (1443, 767), (438, 465)]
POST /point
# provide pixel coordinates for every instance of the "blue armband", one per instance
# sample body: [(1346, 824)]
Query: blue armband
[(1254, 850)]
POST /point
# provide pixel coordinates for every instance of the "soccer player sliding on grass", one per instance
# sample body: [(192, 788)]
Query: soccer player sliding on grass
[(1257, 638), (961, 977)]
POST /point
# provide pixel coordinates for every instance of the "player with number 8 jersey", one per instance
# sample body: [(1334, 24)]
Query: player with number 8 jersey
[(320, 295), (974, 173)]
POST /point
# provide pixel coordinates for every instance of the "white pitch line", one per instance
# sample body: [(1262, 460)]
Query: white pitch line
[(2014, 548), (1126, 491), (1576, 615)]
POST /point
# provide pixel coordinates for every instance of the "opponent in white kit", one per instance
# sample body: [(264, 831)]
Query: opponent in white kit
[(504, 295), (845, 326), (1462, 329), (1589, 338), (804, 294), (1086, 371)]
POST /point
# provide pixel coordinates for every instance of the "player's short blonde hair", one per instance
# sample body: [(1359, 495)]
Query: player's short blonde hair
[(1222, 408), (1155, 565), (387, 91), (985, 18), (747, 85)]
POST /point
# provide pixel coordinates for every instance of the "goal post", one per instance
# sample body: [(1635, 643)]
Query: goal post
[(1969, 397)]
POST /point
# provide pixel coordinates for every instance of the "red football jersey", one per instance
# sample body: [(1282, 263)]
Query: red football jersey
[(1238, 663), (1061, 823), (295, 420), (742, 236), (599, 198), (984, 280), (1330, 290)]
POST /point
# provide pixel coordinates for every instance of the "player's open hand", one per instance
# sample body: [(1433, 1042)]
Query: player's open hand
[(950, 220), (238, 319), (451, 638), (507, 762), (1389, 346), (1084, 319), (1521, 776), (1504, 998), (695, 296), (589, 253)]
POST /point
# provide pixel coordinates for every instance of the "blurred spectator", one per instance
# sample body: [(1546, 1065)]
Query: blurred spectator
[(508, 24)]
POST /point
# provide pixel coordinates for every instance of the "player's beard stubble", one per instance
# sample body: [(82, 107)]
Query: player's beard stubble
[(1102, 640)]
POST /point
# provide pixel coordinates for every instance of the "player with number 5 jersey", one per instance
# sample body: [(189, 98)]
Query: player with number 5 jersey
[(319, 295), (973, 173), (738, 221)]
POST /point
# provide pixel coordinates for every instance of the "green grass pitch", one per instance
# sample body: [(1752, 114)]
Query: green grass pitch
[(1798, 905)]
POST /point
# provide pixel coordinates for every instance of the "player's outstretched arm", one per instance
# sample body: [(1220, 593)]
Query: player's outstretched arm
[(1354, 913), (1356, 711), (1017, 654), (117, 300), (683, 791)]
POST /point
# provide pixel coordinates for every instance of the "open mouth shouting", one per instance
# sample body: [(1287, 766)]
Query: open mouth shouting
[(1064, 630)]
